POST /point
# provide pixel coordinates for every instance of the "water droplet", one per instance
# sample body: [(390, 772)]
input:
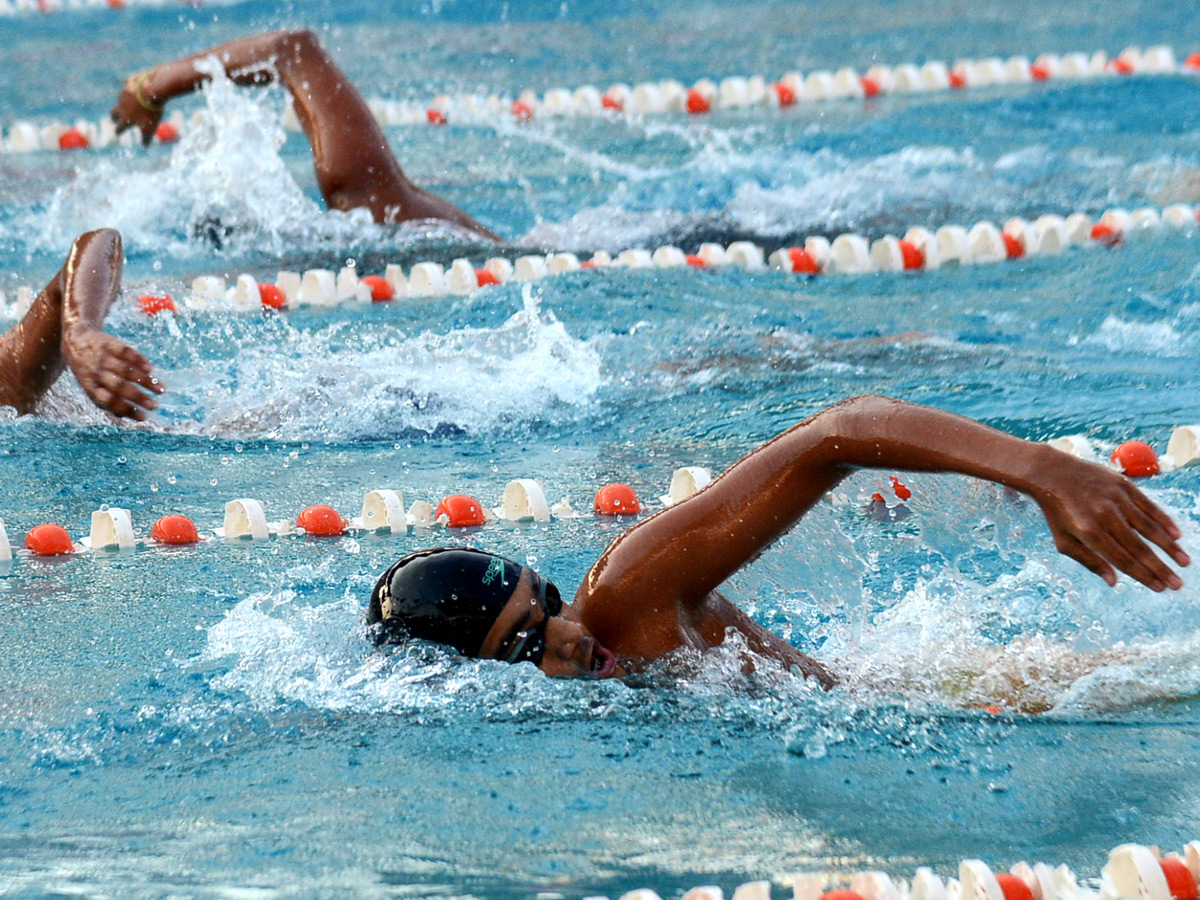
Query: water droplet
[(121, 460), (213, 482), (237, 448), (171, 479)]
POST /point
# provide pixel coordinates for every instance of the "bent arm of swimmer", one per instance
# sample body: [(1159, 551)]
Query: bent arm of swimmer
[(113, 374), (1096, 516), (355, 166), (63, 329)]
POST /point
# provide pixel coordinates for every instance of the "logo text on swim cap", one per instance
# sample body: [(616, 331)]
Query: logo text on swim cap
[(495, 569)]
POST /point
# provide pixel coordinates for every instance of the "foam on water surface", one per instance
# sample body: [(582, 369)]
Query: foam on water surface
[(217, 720)]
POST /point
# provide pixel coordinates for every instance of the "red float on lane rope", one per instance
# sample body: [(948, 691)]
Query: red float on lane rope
[(1106, 234), (785, 94), (153, 304), (616, 500), (461, 511), (435, 116), (485, 277), (174, 530), (1013, 248), (272, 297), (381, 291), (1013, 887), (1180, 880), (166, 133), (49, 540), (842, 894), (870, 86), (321, 521), (72, 139), (912, 255), (697, 103), (803, 262), (1136, 459)]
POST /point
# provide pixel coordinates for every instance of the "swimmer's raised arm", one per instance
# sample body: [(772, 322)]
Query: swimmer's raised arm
[(1097, 517), (354, 164), (63, 329)]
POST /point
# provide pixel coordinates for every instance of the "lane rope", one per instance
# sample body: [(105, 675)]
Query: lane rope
[(523, 500), (667, 96), (847, 254), (10, 8), (1133, 872)]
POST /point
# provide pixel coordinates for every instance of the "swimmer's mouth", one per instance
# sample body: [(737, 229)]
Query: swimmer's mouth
[(604, 664)]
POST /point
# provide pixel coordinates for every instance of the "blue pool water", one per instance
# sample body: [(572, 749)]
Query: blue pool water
[(212, 722)]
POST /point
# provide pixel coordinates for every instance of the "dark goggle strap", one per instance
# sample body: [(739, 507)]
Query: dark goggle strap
[(531, 645)]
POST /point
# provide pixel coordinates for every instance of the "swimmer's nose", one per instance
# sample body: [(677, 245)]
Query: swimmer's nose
[(567, 639)]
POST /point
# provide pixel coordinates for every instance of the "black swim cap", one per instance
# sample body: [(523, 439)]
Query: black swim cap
[(452, 595)]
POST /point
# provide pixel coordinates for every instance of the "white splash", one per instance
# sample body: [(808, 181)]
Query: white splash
[(225, 175), (468, 379)]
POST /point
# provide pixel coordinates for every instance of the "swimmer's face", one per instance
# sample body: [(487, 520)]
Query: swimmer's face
[(570, 651)]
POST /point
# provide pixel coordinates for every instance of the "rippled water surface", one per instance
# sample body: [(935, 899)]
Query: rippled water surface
[(212, 721)]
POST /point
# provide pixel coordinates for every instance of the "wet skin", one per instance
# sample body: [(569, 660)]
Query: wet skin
[(63, 330), (571, 651), (654, 590), (355, 166)]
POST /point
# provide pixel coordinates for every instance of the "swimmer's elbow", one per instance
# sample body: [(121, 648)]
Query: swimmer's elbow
[(846, 417), (301, 37), (106, 235)]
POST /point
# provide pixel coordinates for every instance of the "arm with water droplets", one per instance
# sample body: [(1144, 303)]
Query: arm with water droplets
[(63, 329), (355, 166), (680, 555)]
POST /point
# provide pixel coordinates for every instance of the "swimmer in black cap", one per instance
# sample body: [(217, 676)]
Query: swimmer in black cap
[(63, 330), (655, 589), (354, 164)]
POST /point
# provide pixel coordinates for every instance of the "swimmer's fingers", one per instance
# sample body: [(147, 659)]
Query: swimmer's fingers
[(114, 375), (138, 365), (1074, 548), (1157, 527), (1110, 540), (1133, 556), (133, 377), (119, 393)]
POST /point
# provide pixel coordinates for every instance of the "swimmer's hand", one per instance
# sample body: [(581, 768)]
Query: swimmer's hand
[(111, 372), (1101, 520), (136, 109)]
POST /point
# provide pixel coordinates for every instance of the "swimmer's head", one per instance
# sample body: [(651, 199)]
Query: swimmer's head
[(486, 606), (454, 595)]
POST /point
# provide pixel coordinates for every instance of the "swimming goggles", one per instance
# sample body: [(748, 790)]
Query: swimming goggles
[(531, 642)]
